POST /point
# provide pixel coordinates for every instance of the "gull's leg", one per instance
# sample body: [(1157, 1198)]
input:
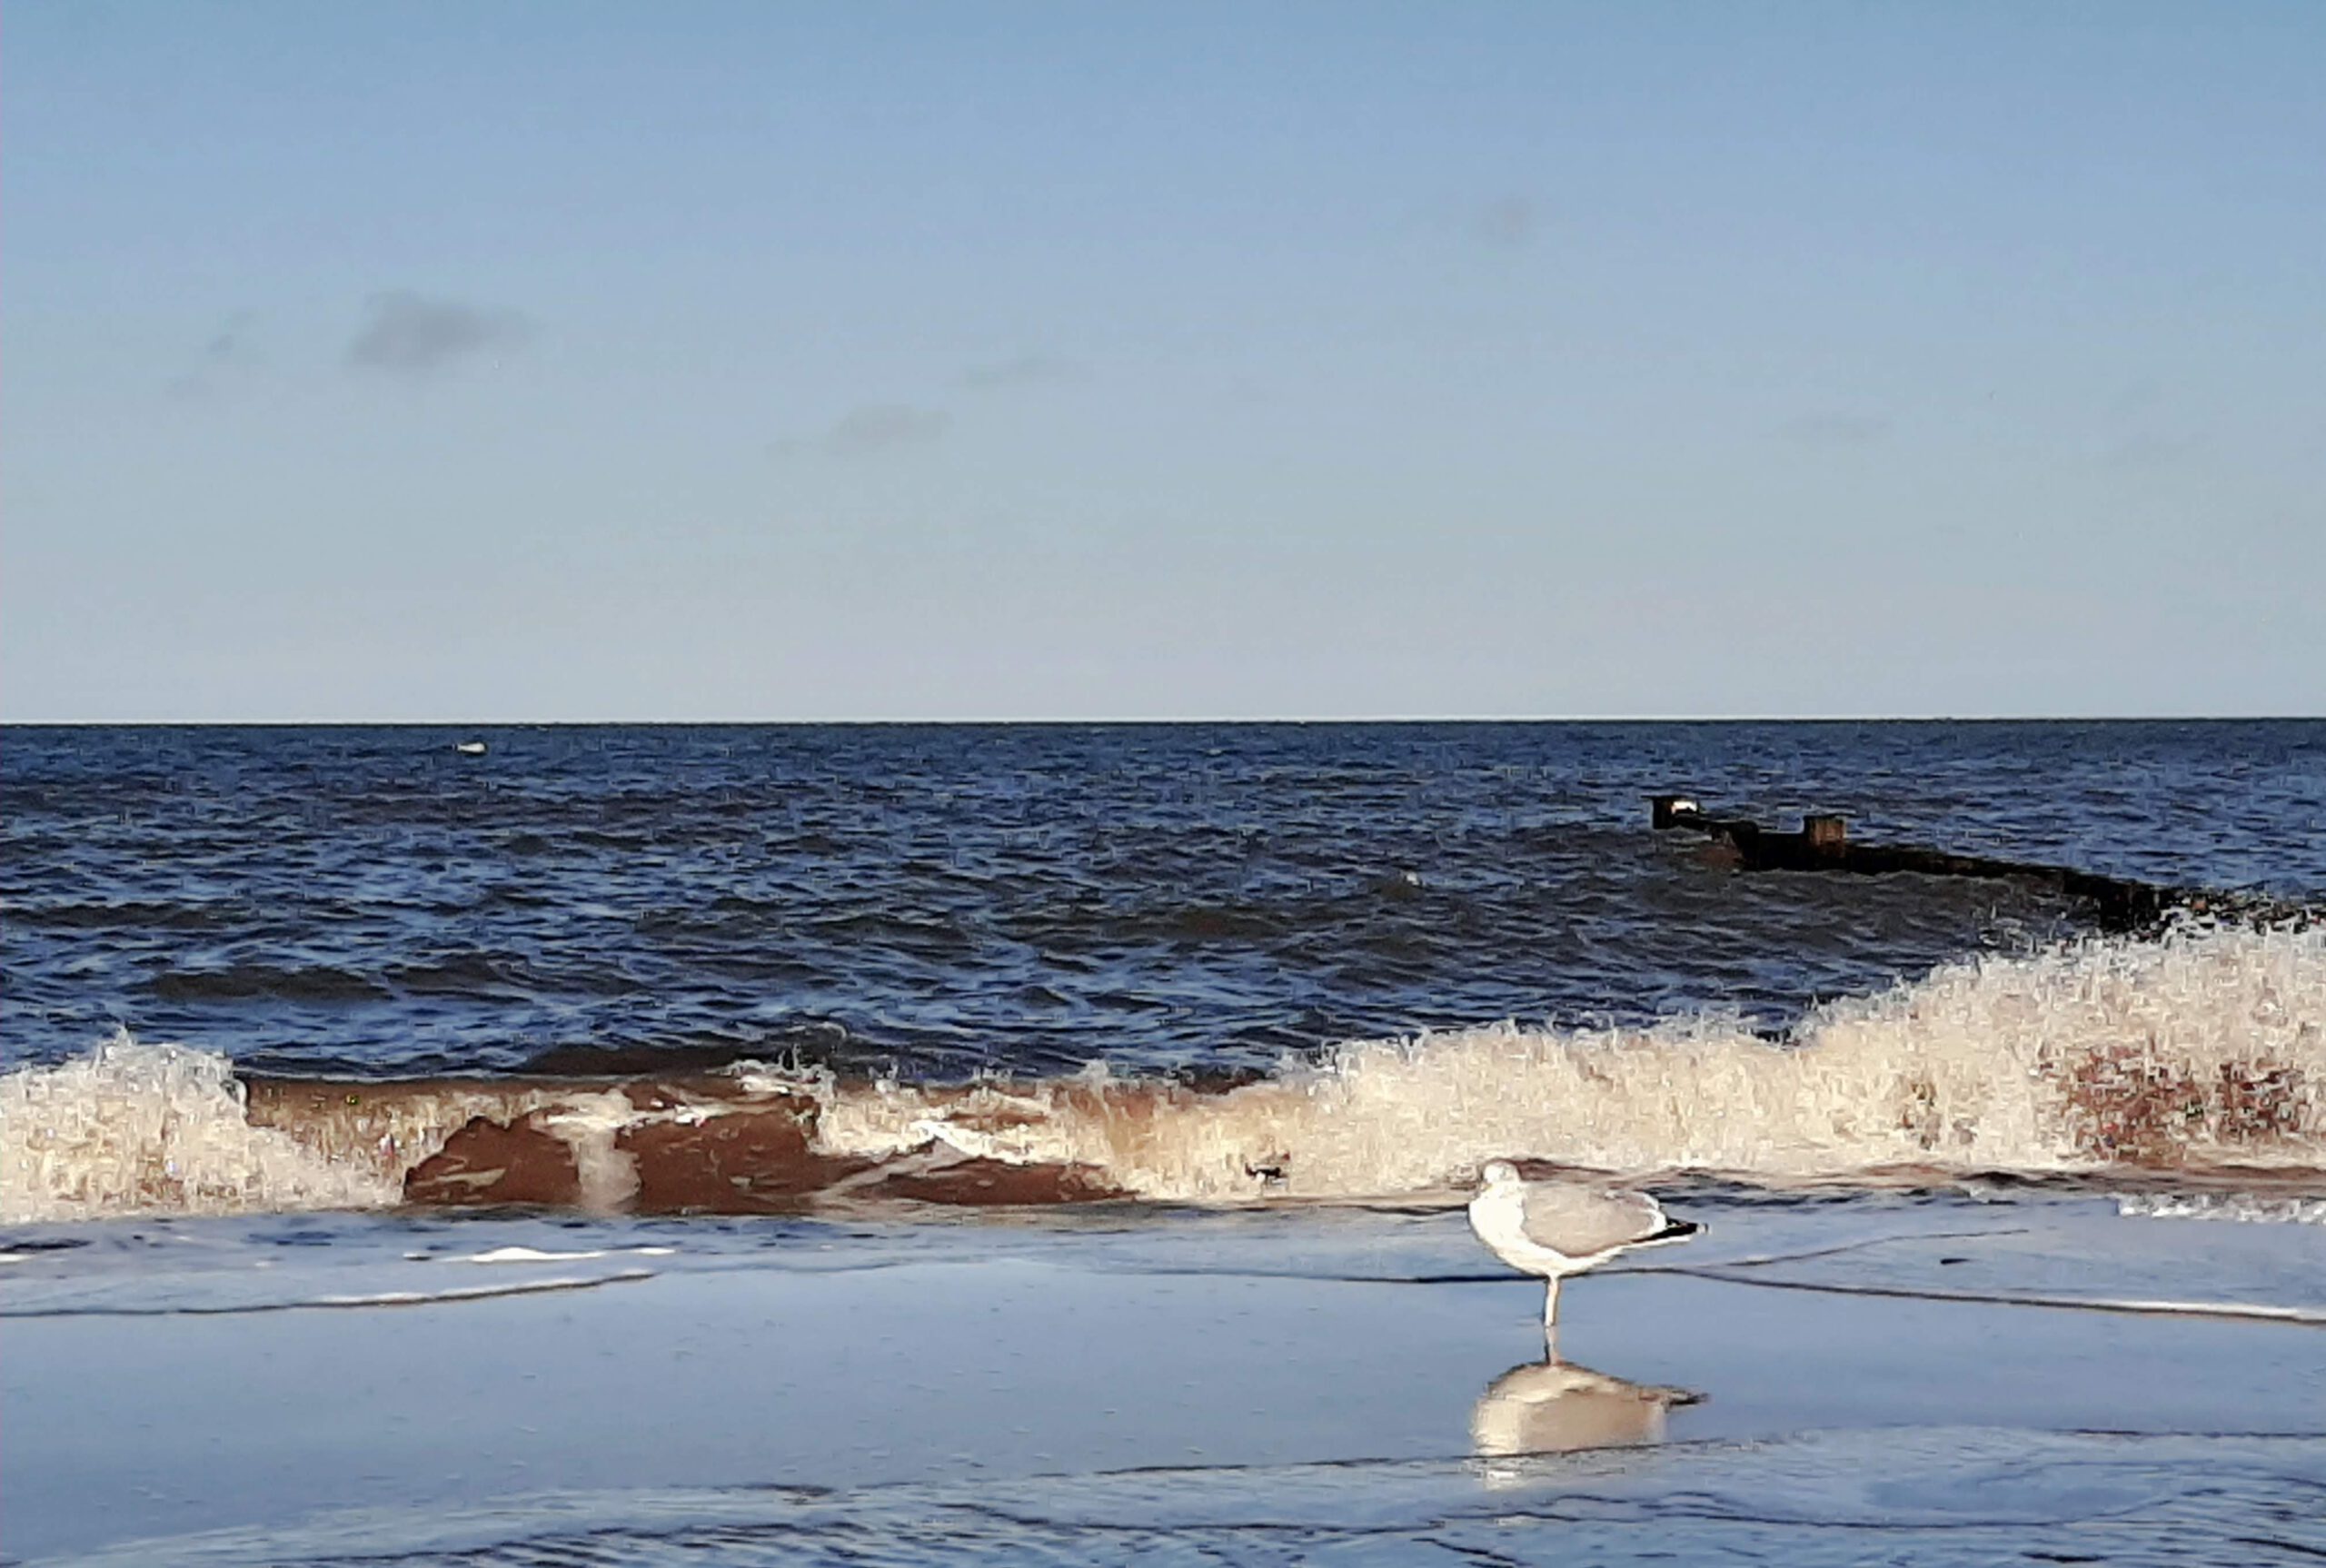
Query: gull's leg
[(1551, 1318)]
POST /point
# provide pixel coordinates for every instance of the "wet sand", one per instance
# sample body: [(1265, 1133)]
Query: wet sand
[(1001, 1368)]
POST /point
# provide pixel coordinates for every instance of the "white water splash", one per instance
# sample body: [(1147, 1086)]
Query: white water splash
[(2244, 1208), (2202, 1047), (134, 1128)]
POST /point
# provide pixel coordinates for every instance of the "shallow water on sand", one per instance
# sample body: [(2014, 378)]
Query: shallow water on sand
[(1935, 1497), (1252, 1385)]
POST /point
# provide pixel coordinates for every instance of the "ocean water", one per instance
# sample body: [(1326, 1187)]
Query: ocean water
[(939, 901), (1176, 962), (311, 1035)]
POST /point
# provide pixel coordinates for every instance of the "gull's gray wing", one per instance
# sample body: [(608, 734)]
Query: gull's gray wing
[(1581, 1221)]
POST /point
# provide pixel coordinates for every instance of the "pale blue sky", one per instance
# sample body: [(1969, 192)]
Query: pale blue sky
[(561, 361)]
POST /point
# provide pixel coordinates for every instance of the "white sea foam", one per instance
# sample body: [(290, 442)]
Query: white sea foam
[(466, 1292), (2248, 1209), (155, 1129), (2203, 1049), (538, 1255)]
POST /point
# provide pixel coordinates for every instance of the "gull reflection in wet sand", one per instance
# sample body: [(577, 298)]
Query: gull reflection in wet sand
[(1558, 1407)]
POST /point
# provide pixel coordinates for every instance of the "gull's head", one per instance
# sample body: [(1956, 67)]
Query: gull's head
[(1497, 1173)]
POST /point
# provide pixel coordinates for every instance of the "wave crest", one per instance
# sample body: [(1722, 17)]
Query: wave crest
[(142, 1128), (2203, 1049)]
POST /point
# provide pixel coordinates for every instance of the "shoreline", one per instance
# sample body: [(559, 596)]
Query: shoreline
[(890, 1358)]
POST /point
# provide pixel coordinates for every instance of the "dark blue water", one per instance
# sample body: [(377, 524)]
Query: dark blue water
[(942, 899)]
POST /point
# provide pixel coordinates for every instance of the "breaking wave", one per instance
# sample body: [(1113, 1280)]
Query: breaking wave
[(135, 1128), (2200, 1050)]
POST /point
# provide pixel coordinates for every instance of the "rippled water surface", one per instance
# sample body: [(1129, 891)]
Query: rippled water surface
[(1941, 1378), (943, 900)]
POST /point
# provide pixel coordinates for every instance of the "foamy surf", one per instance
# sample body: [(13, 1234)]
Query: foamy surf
[(342, 1302), (509, 1255), (2244, 1208), (134, 1128), (2202, 1050)]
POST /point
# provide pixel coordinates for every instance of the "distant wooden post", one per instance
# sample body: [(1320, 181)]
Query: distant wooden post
[(1823, 845)]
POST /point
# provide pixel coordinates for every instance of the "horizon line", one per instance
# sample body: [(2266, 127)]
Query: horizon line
[(1059, 721)]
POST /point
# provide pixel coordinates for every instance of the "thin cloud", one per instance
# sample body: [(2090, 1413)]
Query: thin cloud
[(410, 334), (874, 427), (229, 347), (1836, 430), (1026, 369)]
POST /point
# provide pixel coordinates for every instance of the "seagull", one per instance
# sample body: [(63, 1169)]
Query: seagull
[(1558, 1229)]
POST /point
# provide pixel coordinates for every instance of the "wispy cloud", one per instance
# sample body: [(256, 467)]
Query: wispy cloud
[(231, 346), (1506, 224), (1026, 369), (1835, 429), (874, 427), (410, 334)]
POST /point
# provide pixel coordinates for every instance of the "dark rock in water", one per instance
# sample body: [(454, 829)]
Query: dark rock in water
[(982, 1182), (489, 1162), (1823, 844), (739, 1161), (683, 1143)]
